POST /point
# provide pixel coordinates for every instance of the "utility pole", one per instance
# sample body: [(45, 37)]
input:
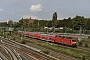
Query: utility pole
[(80, 37), (47, 34), (3, 30), (22, 29), (22, 33), (54, 30)]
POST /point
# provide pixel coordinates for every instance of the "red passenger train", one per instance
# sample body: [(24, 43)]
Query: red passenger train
[(52, 38)]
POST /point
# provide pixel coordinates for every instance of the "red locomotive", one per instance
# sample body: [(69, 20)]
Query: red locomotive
[(52, 38), (66, 40)]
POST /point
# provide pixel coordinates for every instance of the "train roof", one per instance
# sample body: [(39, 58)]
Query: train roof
[(66, 37), (51, 35), (43, 34)]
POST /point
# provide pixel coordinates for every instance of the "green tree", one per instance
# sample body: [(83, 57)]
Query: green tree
[(88, 24), (54, 18), (79, 21), (69, 22), (3, 24)]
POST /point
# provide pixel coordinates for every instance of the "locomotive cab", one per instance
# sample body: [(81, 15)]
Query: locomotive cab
[(73, 42)]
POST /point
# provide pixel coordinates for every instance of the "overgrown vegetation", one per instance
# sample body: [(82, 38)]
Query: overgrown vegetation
[(62, 49), (23, 42), (46, 51), (3, 35)]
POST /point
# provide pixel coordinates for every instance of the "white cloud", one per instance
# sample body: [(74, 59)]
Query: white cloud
[(28, 17), (0, 9), (36, 8)]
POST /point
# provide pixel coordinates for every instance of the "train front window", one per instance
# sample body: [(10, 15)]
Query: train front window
[(73, 40), (60, 36)]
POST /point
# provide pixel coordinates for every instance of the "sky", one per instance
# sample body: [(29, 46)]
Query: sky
[(43, 9)]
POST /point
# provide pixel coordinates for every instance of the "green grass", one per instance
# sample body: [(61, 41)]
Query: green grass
[(3, 35)]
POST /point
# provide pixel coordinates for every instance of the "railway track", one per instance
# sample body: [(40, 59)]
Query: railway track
[(7, 53), (83, 48), (34, 55), (3, 56), (76, 48), (62, 56), (54, 53)]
